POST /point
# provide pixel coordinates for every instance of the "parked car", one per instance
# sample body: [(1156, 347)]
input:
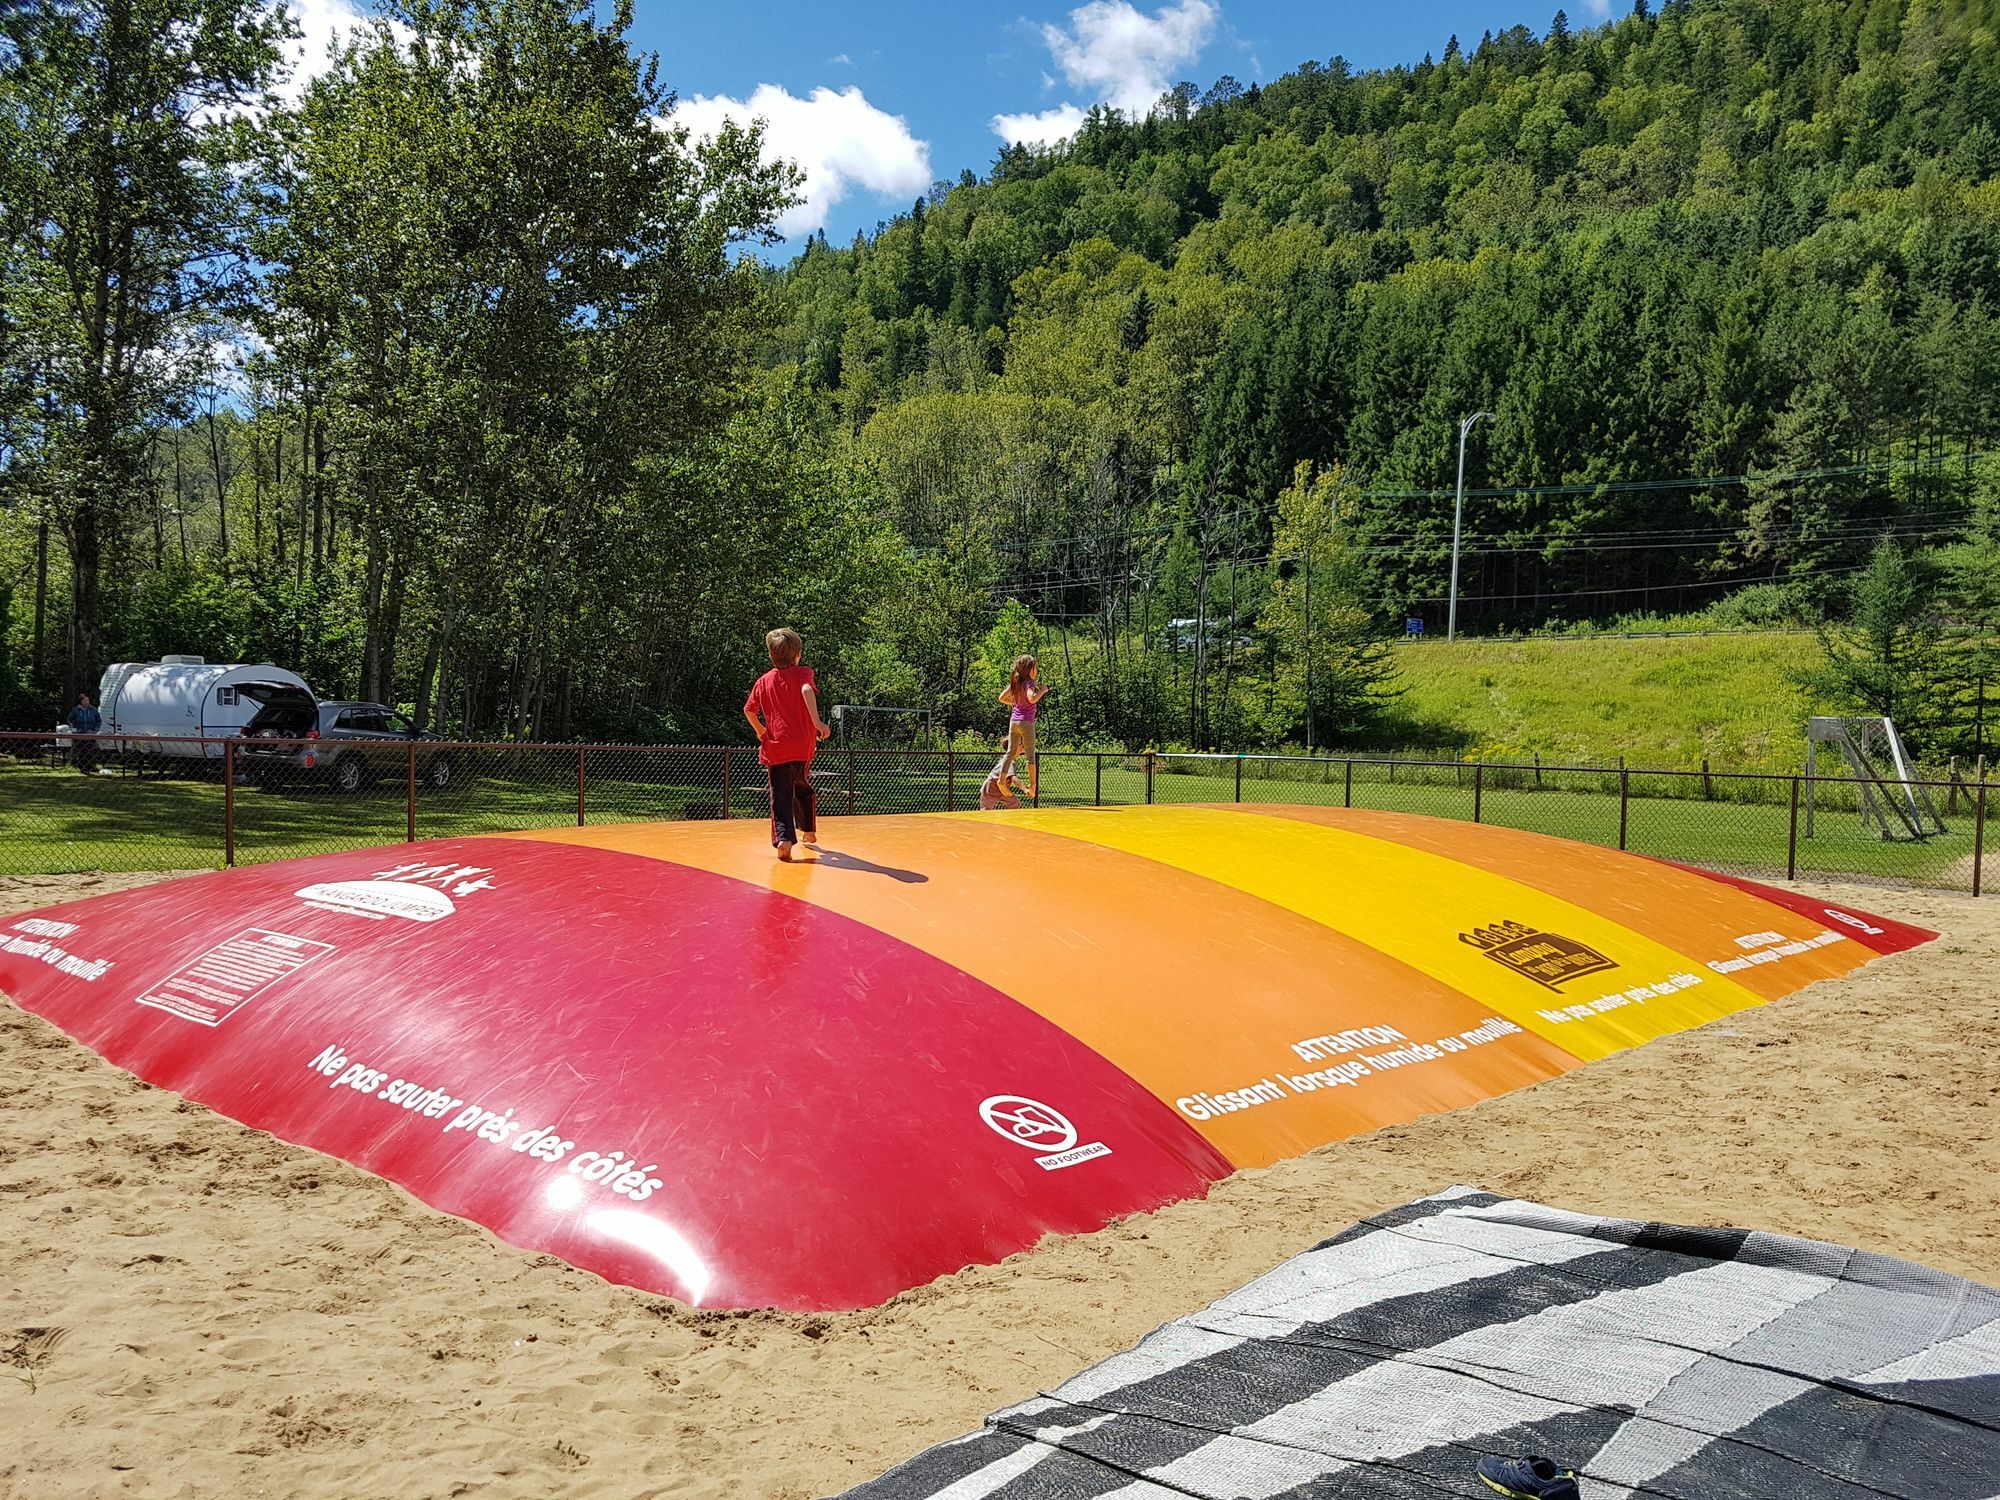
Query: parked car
[(347, 744), (1213, 635)]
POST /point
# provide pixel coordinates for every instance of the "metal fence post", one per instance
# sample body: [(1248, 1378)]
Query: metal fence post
[(1239, 778), (1347, 785), (1624, 802), (950, 779), (726, 788), (850, 780), (1097, 792), (1150, 758), (410, 796), (580, 774), (228, 802), (1792, 842), (1978, 833), (1478, 789)]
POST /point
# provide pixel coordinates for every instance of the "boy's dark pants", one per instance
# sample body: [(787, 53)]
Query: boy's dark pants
[(794, 804)]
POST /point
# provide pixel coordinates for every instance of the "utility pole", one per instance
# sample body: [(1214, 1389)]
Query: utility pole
[(1458, 524), (1333, 520)]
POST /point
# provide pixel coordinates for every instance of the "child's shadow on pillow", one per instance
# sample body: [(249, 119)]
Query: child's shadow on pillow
[(833, 859)]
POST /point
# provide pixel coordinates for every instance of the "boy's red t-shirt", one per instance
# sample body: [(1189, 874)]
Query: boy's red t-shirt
[(779, 698)]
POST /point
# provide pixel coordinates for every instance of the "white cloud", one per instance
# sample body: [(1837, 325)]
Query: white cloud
[(840, 60), (1125, 57), (839, 140), (1120, 56), (323, 25), (1043, 129)]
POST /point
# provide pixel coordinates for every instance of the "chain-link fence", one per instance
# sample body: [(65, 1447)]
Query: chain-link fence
[(74, 803)]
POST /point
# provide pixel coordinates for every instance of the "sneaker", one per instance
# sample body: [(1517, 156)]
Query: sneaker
[(1533, 1478)]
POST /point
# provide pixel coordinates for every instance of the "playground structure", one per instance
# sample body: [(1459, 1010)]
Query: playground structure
[(1893, 799), (651, 1050)]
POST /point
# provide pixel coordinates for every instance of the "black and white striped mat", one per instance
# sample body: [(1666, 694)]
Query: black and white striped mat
[(1698, 1364)]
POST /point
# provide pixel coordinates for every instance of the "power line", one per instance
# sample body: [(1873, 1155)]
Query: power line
[(1050, 580), (1591, 487), (1708, 482)]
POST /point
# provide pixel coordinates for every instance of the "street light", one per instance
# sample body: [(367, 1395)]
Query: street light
[(1458, 523)]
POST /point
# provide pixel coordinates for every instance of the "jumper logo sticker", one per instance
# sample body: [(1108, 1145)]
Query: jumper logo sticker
[(379, 900), (1852, 921), (1549, 959), (414, 892), (212, 987), (1039, 1127)]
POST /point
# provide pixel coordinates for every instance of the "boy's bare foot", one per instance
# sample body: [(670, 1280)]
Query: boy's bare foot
[(785, 851), (810, 840)]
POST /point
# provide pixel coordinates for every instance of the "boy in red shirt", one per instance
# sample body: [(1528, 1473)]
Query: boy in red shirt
[(783, 709)]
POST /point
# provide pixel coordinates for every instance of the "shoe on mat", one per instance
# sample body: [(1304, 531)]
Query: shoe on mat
[(1532, 1478)]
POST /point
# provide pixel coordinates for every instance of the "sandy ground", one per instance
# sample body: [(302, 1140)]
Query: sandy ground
[(195, 1310)]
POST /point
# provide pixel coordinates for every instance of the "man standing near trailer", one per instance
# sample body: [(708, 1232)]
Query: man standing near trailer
[(84, 719)]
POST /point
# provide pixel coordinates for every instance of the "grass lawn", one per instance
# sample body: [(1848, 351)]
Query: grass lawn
[(55, 821)]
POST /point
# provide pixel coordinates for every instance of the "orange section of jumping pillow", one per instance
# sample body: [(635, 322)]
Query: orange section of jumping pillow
[(1228, 1007), (1585, 981), (1766, 948)]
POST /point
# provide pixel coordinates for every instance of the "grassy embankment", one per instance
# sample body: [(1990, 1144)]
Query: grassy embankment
[(1666, 702)]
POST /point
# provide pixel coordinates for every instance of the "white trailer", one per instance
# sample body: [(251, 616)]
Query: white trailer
[(185, 695)]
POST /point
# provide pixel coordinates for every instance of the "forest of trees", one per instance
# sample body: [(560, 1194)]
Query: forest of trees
[(456, 383)]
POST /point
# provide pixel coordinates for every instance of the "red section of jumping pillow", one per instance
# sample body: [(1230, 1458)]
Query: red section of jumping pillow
[(679, 1081), (1883, 934)]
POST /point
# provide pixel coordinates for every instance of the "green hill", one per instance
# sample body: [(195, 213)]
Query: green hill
[(1665, 702)]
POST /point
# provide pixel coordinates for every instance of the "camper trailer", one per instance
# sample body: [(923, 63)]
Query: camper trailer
[(156, 702)]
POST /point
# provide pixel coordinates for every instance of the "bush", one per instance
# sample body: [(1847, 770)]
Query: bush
[(1761, 606)]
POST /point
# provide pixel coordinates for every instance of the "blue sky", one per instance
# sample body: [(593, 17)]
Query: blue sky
[(877, 99)]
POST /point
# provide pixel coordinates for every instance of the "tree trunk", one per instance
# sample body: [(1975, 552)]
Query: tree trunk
[(86, 554), (430, 676), (39, 674), (305, 496), (318, 496), (278, 494), (221, 487), (256, 486), (392, 625), (159, 520), (180, 496), (371, 606)]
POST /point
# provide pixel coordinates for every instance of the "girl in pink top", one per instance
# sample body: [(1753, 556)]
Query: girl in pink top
[(1024, 693)]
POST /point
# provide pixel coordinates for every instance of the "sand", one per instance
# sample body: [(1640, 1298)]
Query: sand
[(192, 1309)]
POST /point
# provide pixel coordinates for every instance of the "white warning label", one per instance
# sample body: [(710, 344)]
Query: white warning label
[(211, 988)]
